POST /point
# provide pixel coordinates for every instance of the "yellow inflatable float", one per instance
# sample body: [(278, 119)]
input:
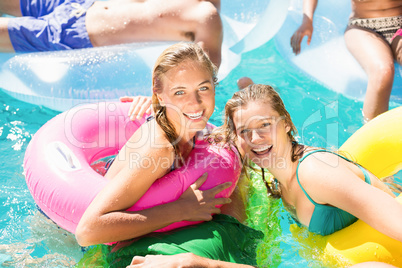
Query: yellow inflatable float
[(376, 146)]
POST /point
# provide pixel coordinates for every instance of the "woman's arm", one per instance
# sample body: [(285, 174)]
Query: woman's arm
[(337, 184), (106, 219), (306, 28), (193, 205)]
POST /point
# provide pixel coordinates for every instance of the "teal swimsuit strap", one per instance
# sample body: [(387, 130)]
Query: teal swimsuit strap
[(366, 175)]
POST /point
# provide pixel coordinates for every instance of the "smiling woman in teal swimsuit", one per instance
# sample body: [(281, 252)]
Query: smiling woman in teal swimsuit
[(322, 190)]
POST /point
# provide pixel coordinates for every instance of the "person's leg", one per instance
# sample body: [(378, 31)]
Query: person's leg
[(375, 56), (10, 7), (397, 48), (5, 42)]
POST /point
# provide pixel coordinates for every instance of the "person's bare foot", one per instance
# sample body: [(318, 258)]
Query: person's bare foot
[(244, 82)]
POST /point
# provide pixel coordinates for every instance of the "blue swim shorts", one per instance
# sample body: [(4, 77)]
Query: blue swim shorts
[(38, 8), (61, 29)]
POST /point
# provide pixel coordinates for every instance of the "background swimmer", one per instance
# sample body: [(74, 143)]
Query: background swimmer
[(372, 38), (73, 24)]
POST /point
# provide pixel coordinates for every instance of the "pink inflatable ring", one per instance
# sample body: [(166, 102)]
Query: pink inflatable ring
[(62, 182)]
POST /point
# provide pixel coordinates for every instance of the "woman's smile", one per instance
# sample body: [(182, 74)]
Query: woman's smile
[(262, 150), (194, 116)]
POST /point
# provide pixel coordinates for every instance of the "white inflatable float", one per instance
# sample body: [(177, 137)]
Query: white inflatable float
[(326, 59), (62, 79)]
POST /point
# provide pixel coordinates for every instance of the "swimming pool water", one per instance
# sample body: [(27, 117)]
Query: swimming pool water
[(323, 118)]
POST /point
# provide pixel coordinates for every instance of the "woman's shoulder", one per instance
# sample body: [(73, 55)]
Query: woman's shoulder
[(151, 137), (319, 156), (319, 173), (317, 163)]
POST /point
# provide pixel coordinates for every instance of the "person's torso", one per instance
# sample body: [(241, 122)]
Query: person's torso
[(127, 21), (376, 8), (321, 218)]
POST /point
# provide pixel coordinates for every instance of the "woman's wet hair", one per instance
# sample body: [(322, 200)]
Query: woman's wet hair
[(256, 93), (172, 57)]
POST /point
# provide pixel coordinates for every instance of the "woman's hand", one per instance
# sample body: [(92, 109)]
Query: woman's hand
[(158, 261), (184, 260), (306, 29), (140, 105), (198, 205)]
